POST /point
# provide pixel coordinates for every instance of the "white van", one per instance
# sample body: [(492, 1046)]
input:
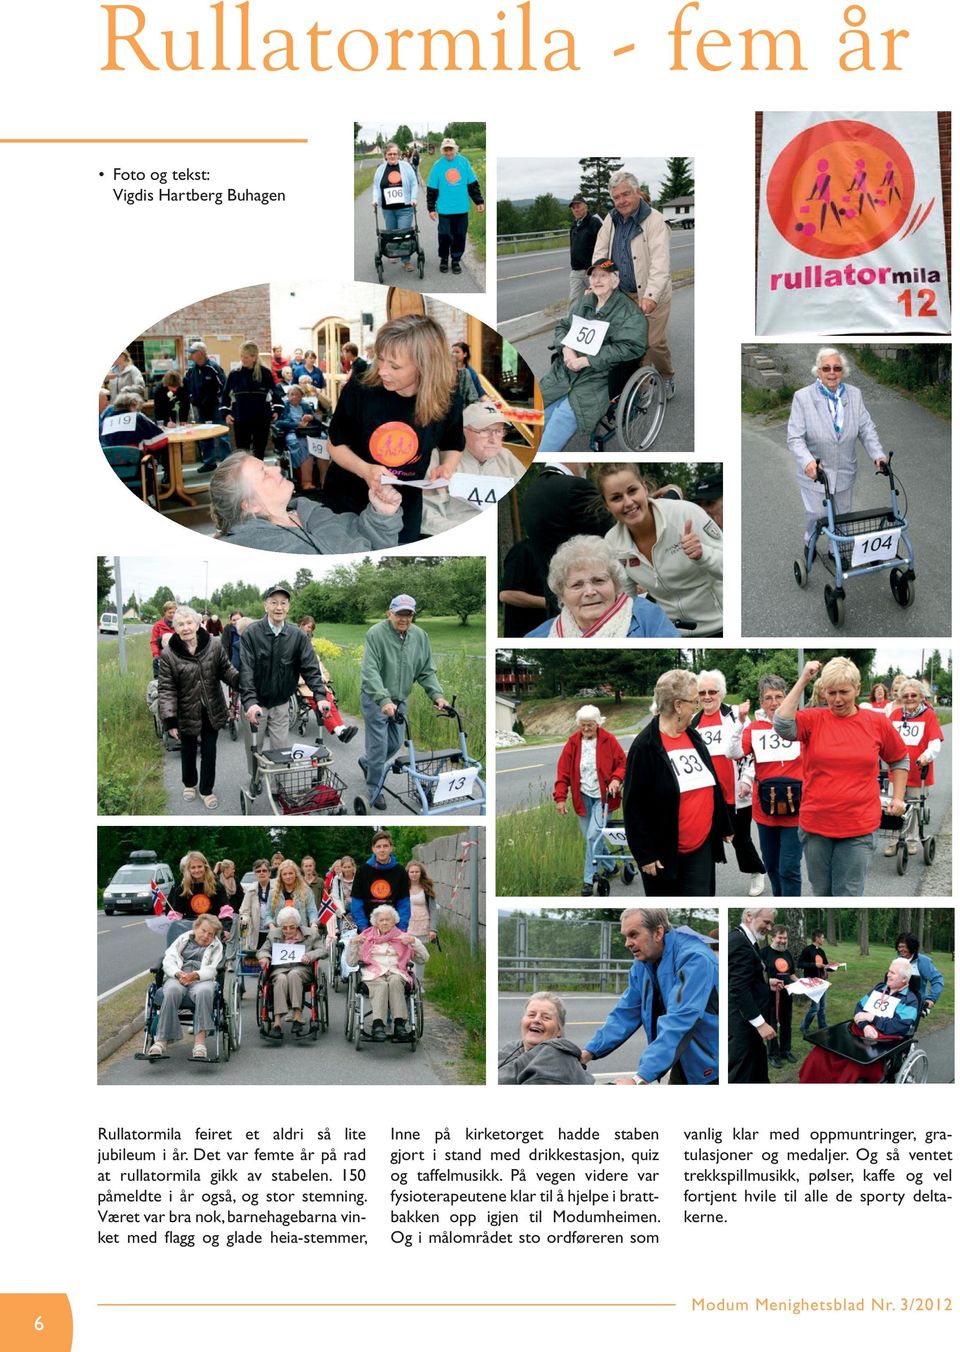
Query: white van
[(109, 623)]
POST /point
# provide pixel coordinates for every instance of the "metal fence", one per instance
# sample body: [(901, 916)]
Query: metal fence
[(533, 235), (520, 972)]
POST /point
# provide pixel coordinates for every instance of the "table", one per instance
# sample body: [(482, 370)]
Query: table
[(178, 437)]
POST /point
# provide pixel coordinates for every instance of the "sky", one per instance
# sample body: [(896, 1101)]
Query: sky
[(529, 178), (368, 130), (194, 577)]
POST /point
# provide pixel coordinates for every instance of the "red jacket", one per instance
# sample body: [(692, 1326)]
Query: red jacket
[(611, 764)]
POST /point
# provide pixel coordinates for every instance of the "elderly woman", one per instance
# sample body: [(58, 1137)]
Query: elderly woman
[(200, 892), (879, 700), (930, 982), (384, 954), (917, 724), (840, 810), (889, 1011), (671, 548), (395, 186), (718, 724), (576, 389), (826, 421), (193, 670), (589, 581), (190, 968), (673, 807), (289, 978), (777, 788), (297, 423), (253, 505), (543, 1055), (590, 769), (255, 917)]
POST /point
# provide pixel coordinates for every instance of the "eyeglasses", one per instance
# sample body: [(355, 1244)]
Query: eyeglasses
[(686, 701), (831, 368), (701, 693)]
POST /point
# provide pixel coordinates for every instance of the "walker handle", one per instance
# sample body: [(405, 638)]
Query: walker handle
[(820, 477)]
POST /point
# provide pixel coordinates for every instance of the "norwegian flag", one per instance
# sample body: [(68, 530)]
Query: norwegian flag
[(157, 897), (327, 912)]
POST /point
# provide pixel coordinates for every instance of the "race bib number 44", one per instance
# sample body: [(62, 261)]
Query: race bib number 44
[(690, 771), (587, 335), (767, 746)]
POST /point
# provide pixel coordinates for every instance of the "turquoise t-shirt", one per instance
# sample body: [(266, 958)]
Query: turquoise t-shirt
[(451, 177)]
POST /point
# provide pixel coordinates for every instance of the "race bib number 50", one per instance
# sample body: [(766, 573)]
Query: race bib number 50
[(587, 335)]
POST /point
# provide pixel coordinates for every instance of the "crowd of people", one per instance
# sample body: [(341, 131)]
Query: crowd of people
[(608, 553), (762, 974), (267, 662), (379, 915), (372, 472)]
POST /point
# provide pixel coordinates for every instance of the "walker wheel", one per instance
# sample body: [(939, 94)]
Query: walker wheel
[(603, 887), (902, 858), (800, 574), (835, 606), (902, 588), (929, 850), (421, 260), (378, 264), (243, 804), (361, 805)]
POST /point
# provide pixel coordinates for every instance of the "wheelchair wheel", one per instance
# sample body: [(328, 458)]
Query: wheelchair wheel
[(378, 264), (915, 1069), (929, 850), (800, 574), (420, 1012), (231, 999), (640, 410), (350, 1012), (323, 1006), (149, 1025), (357, 1027), (901, 587), (903, 858), (834, 603), (421, 261)]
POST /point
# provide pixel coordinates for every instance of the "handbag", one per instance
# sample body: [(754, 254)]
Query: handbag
[(780, 796)]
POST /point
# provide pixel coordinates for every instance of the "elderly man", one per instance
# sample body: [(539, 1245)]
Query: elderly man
[(542, 1055), (890, 1011), (584, 229), (396, 656), (484, 427), (253, 505), (204, 380), (274, 656), (451, 187), (637, 238), (672, 994), (748, 1000)]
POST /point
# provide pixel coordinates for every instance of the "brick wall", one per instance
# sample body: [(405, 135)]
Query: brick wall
[(245, 311)]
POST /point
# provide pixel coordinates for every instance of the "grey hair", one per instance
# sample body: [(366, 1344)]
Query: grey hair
[(228, 492), (921, 685), (127, 399), (189, 611), (770, 682), (903, 966), (671, 686), (198, 347), (749, 911), (583, 549), (288, 915), (216, 926), (623, 176), (385, 910), (829, 352), (651, 917), (714, 676), (554, 1000)]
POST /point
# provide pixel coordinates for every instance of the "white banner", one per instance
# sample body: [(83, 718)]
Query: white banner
[(851, 236)]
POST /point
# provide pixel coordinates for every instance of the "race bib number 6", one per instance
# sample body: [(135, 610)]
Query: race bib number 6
[(586, 335), (690, 771)]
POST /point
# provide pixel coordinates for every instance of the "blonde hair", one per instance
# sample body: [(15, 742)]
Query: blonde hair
[(209, 881), (424, 342), (672, 686), (301, 890), (838, 671), (250, 349), (426, 882)]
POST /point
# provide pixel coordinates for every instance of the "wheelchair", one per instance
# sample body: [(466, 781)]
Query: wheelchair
[(315, 1003), (227, 1030), (359, 1012), (634, 415), (904, 1060)]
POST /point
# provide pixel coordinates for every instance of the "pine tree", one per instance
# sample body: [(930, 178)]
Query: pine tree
[(595, 174), (678, 182)]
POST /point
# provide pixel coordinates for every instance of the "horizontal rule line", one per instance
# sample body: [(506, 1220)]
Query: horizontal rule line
[(386, 1305), (153, 140)]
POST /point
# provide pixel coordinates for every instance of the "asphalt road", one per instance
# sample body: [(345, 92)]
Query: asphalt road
[(535, 775), (125, 948), (232, 774), (585, 1014), (131, 630), (676, 435), (472, 278), (772, 532), (528, 282)]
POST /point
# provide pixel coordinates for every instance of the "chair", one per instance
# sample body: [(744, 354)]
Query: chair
[(137, 470)]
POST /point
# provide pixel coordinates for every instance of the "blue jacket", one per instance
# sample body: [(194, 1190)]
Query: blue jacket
[(902, 1018), (688, 1030), (647, 621), (931, 981)]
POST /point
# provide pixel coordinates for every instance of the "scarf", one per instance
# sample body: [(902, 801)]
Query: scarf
[(835, 400), (401, 943), (613, 623)]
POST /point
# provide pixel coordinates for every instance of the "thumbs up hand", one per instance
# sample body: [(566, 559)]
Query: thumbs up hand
[(690, 541)]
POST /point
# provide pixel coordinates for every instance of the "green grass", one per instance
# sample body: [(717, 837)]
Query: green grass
[(129, 753), (116, 1012), (561, 714), (774, 403), (476, 223), (446, 633), (455, 982), (532, 246), (363, 176), (898, 376), (846, 987), (539, 853)]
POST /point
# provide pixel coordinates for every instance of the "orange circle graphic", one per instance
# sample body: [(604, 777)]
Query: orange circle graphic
[(380, 889), (819, 960), (393, 176), (200, 904), (394, 443), (452, 175), (782, 965), (840, 189)]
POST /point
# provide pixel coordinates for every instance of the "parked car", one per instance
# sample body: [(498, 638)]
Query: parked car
[(109, 623), (130, 888)]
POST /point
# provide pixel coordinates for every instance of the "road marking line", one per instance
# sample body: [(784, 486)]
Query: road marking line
[(133, 924), (512, 769), (104, 931), (123, 984), (516, 276)]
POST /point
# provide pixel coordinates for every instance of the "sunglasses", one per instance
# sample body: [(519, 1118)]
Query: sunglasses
[(701, 693), (831, 368)]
